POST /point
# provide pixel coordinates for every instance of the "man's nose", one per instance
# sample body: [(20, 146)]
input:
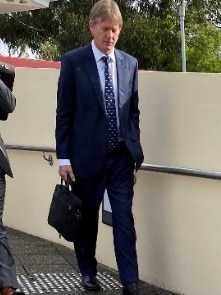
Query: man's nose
[(110, 33)]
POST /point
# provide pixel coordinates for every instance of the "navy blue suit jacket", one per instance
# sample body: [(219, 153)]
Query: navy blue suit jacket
[(81, 123)]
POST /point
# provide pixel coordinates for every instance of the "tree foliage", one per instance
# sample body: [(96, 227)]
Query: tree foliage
[(203, 49), (151, 31)]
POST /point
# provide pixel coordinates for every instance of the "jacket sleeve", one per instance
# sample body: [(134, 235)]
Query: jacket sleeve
[(7, 99)]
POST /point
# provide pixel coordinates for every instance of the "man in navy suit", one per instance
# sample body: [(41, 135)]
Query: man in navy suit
[(82, 126)]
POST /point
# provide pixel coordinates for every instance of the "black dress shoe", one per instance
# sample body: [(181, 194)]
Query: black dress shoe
[(131, 289), (90, 283)]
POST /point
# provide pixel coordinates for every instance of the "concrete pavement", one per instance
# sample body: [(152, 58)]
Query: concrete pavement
[(44, 267)]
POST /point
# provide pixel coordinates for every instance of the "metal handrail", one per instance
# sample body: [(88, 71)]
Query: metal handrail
[(43, 149), (182, 171), (145, 167), (30, 148)]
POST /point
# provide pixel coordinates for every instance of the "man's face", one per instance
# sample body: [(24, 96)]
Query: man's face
[(106, 34)]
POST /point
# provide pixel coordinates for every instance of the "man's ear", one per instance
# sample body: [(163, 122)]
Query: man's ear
[(91, 24)]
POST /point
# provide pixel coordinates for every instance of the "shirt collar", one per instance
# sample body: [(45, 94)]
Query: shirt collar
[(98, 54)]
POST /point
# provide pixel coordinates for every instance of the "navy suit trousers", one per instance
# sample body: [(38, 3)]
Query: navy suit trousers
[(117, 178)]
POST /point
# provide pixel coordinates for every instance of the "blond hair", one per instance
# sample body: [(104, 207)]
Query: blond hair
[(106, 9)]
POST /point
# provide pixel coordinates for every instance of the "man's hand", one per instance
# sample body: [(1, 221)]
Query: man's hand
[(66, 170)]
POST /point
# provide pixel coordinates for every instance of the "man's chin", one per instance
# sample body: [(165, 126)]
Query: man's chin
[(107, 49)]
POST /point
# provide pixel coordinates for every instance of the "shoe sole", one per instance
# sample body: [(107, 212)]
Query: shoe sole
[(92, 289)]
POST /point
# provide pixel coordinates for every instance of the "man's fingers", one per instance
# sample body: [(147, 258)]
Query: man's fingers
[(66, 170), (72, 176)]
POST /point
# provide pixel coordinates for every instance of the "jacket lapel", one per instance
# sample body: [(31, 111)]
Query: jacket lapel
[(90, 68), (121, 78)]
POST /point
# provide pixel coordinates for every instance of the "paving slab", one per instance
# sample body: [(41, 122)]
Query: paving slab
[(44, 267)]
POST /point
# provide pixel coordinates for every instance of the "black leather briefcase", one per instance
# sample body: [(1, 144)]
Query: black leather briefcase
[(65, 212)]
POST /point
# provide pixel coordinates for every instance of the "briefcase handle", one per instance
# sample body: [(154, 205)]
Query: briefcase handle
[(67, 183)]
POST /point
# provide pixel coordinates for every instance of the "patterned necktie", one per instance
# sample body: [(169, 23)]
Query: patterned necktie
[(110, 106)]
